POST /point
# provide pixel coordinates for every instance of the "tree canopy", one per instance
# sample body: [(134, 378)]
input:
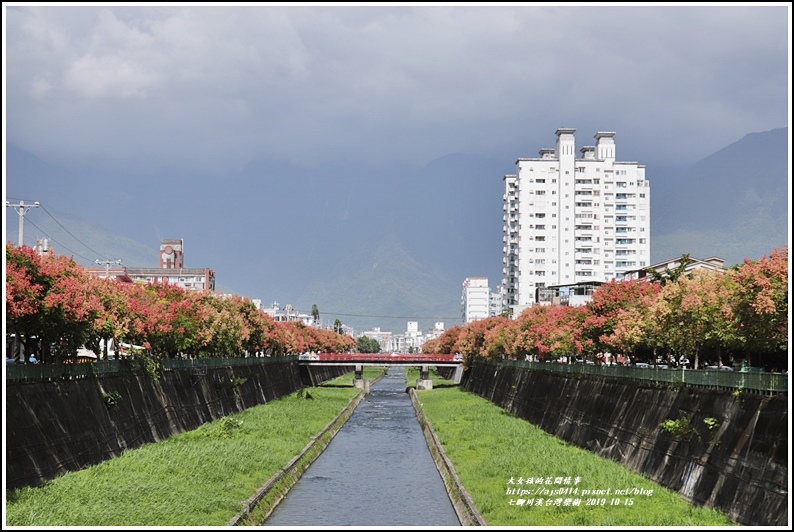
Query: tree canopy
[(699, 315), (55, 307)]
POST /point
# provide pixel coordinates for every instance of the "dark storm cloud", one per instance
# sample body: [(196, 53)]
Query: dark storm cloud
[(212, 88)]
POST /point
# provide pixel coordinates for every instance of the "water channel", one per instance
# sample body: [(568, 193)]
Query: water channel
[(377, 471)]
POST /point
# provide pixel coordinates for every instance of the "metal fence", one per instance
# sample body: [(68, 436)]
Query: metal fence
[(754, 381), (60, 371)]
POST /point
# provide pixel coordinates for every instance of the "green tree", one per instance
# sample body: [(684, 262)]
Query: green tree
[(670, 275), (337, 326), (315, 313), (368, 345), (50, 300), (694, 313), (761, 307), (610, 303)]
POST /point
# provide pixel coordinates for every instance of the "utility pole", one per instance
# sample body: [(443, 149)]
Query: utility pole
[(107, 264), (21, 209)]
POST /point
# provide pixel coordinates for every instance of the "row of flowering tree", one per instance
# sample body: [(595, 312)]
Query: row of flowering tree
[(55, 307), (704, 315)]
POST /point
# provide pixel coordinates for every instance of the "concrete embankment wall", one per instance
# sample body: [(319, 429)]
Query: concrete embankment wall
[(66, 425), (739, 467)]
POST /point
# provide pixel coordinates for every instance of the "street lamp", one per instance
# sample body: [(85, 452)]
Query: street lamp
[(107, 264)]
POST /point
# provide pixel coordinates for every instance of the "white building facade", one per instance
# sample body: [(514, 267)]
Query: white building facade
[(475, 299), (570, 219)]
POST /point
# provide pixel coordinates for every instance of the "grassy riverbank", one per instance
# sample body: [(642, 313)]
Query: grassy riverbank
[(202, 478), (494, 453), (198, 478)]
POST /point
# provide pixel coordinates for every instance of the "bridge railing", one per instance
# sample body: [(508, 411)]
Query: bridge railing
[(417, 358)]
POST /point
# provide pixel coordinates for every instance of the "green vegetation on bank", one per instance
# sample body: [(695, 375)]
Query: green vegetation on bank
[(202, 478), (198, 478), (494, 452)]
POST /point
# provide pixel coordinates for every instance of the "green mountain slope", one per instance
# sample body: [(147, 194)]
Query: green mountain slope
[(387, 288)]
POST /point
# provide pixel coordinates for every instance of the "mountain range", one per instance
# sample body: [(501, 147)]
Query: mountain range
[(374, 246)]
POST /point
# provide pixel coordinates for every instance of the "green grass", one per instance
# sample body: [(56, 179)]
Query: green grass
[(492, 449), (201, 478), (196, 478)]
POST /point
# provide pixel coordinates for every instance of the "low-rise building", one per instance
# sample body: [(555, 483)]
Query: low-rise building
[(475, 299), (171, 270), (572, 295), (288, 313), (691, 264)]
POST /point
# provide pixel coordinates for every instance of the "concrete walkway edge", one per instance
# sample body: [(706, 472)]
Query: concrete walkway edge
[(292, 472), (468, 515)]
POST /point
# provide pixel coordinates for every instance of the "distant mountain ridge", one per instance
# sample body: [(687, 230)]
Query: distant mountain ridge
[(733, 204), (387, 283), (378, 246)]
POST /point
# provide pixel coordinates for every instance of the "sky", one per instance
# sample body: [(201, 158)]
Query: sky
[(198, 94), (209, 89)]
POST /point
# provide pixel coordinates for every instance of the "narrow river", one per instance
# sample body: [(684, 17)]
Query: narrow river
[(377, 471)]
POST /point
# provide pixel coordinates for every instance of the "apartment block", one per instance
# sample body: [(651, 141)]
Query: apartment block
[(475, 299), (572, 219)]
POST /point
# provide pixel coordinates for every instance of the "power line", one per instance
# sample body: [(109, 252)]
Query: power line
[(74, 253), (327, 312), (70, 233)]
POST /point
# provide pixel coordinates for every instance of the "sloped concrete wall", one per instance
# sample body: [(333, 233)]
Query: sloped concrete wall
[(66, 425), (739, 467)]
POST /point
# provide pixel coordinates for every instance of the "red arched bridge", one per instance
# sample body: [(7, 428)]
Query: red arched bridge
[(380, 359), (359, 360)]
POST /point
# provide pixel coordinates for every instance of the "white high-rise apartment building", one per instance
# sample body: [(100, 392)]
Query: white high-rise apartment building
[(475, 299), (570, 219)]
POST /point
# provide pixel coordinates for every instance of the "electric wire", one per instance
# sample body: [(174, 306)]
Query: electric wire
[(329, 312), (58, 243), (74, 253), (325, 312), (70, 233)]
